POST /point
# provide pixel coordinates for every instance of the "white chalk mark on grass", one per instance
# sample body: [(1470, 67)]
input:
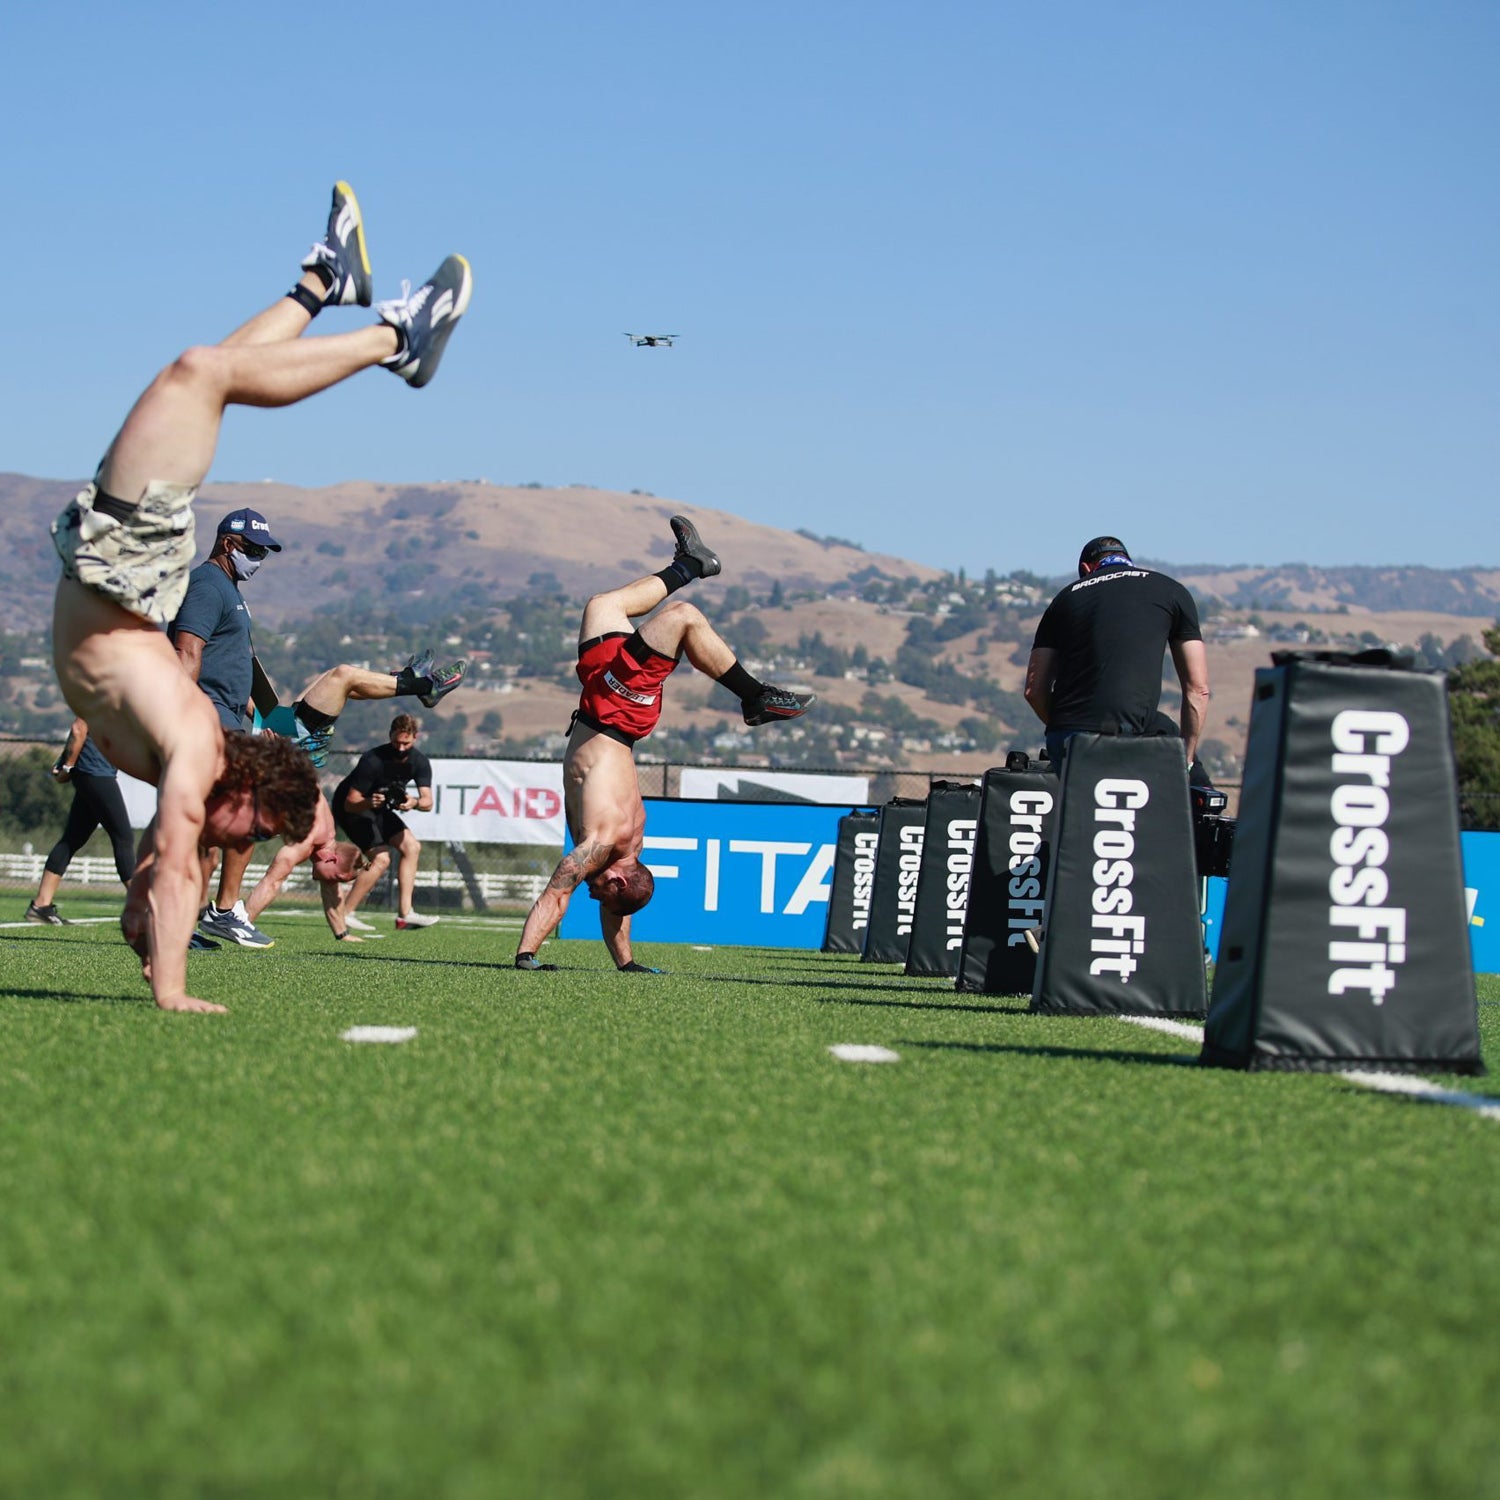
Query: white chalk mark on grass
[(378, 1034), (1185, 1029), (861, 1052), (1484, 1105)]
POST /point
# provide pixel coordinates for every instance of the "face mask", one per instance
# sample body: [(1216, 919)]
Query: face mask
[(244, 567)]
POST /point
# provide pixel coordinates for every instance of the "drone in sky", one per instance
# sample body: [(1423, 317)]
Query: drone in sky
[(652, 340)]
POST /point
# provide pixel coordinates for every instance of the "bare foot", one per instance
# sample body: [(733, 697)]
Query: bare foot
[(192, 1003)]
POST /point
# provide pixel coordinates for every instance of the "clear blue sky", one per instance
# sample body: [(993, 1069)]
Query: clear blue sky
[(966, 282)]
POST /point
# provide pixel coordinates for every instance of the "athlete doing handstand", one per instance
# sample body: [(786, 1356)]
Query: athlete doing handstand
[(622, 669), (126, 544)]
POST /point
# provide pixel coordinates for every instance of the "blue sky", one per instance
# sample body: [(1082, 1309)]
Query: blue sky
[(966, 282)]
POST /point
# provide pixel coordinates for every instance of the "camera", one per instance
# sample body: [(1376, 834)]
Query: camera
[(1213, 832), (394, 794)]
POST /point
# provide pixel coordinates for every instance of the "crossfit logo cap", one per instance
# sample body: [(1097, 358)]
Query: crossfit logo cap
[(1101, 549), (251, 525)]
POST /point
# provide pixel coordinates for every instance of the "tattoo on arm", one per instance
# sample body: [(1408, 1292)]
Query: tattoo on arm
[(576, 866)]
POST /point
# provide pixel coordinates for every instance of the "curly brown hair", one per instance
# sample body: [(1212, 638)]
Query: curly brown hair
[(281, 775)]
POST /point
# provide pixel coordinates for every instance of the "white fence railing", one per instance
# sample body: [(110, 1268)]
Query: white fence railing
[(94, 870)]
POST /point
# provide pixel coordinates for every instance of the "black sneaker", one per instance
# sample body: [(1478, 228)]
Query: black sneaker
[(342, 252), (773, 704), (690, 545), (45, 916), (443, 680), (425, 319), (200, 944)]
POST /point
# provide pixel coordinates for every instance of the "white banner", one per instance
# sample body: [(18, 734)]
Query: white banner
[(493, 802), (773, 786), (474, 801)]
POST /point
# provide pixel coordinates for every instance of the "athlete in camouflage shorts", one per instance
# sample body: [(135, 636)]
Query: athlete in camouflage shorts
[(126, 549)]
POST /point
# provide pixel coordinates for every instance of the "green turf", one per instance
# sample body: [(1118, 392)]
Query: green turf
[(603, 1235)]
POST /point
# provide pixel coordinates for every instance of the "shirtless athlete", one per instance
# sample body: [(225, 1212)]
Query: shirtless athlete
[(126, 544), (622, 670)]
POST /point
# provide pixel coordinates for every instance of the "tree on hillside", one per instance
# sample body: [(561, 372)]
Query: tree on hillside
[(1474, 704)]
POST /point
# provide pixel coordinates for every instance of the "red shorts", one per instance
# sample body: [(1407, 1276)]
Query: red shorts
[(622, 678)]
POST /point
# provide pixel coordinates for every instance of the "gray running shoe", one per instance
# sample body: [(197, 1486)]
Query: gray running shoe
[(45, 916), (342, 252), (234, 926), (200, 944), (690, 545), (425, 319), (773, 704), (443, 680)]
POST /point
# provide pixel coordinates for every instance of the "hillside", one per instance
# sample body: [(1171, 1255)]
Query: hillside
[(912, 667)]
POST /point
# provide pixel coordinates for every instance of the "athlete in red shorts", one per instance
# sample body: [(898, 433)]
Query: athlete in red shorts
[(622, 670)]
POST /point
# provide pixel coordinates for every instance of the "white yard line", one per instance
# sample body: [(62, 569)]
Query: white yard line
[(1485, 1106)]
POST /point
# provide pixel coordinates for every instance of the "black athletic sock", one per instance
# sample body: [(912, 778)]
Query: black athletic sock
[(741, 683), (309, 302), (680, 572), (409, 685)]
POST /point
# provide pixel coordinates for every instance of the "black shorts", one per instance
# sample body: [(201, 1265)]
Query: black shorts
[(368, 828)]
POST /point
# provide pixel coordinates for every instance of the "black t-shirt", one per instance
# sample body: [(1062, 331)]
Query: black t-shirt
[(382, 767), (1110, 631)]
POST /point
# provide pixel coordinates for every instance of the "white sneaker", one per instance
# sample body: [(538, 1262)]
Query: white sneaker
[(359, 924), (412, 919)]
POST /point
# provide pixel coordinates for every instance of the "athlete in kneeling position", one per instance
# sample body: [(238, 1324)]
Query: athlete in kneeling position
[(622, 670)]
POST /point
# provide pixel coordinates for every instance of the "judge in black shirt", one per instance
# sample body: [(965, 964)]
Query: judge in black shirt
[(1096, 660), (370, 799)]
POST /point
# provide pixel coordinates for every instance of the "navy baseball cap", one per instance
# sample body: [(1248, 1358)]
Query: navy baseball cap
[(1102, 547), (250, 525)]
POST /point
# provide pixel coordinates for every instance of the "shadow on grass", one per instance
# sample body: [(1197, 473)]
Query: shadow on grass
[(864, 997), (1095, 1054), (57, 997)]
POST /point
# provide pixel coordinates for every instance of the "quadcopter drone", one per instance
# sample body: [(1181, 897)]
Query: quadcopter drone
[(652, 340)]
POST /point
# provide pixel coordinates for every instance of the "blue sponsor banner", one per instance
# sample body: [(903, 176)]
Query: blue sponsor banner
[(752, 873), (1481, 853)]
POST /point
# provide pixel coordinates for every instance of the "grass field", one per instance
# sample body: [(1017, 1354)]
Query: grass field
[(591, 1234)]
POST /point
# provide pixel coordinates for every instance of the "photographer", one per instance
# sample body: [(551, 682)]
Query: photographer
[(368, 804)]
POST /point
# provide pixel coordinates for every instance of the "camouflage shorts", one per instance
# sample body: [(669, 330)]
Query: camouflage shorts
[(139, 556)]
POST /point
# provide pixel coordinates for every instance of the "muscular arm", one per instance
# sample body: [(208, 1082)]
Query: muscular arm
[(166, 892), (189, 650), (289, 856), (1041, 672), (572, 870), (68, 757), (616, 933), (1191, 660)]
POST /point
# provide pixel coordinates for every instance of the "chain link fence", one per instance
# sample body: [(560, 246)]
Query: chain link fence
[(509, 877)]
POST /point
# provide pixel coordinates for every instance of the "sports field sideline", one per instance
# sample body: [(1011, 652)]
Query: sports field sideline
[(589, 1234)]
